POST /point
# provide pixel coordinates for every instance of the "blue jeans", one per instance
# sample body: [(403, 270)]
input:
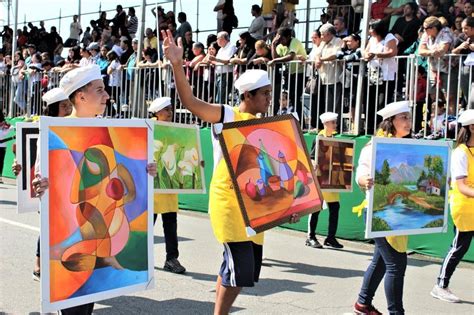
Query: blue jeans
[(391, 264)]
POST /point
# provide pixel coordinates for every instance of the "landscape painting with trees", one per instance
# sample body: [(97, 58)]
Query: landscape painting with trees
[(410, 187)]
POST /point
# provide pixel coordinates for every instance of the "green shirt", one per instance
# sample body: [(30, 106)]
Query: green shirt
[(295, 47)]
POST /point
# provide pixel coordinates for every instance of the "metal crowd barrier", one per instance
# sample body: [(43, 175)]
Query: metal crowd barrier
[(306, 90)]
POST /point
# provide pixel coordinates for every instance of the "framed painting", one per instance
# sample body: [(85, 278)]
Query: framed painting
[(410, 193), (271, 170), (96, 216), (177, 152), (335, 161), (27, 135)]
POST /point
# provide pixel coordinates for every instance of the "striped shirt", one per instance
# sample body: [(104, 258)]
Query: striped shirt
[(132, 25)]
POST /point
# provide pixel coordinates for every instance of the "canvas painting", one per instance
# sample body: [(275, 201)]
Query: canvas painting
[(335, 164), (26, 149), (410, 193), (177, 152), (96, 216), (271, 170)]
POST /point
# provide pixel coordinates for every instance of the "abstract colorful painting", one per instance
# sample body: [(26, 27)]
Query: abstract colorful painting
[(96, 216), (27, 135), (271, 170), (177, 152), (335, 160), (410, 193)]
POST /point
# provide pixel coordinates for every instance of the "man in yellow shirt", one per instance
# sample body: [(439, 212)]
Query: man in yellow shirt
[(242, 254)]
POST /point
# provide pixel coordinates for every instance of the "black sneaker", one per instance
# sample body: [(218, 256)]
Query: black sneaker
[(174, 266), (36, 275), (332, 242), (313, 242)]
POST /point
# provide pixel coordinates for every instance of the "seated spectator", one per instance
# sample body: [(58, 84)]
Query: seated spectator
[(469, 8), (257, 27), (457, 26), (150, 39), (395, 10), (262, 55), (187, 42), (340, 26), (406, 27)]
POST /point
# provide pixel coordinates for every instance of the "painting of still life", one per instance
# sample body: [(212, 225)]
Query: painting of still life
[(335, 161), (271, 170), (96, 216), (410, 193)]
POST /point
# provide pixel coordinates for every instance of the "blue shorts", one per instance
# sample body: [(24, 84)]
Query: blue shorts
[(241, 265)]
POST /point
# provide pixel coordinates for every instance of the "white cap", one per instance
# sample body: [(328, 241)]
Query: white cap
[(158, 104), (77, 78), (251, 80), (54, 95), (118, 50), (393, 109), (328, 116), (467, 117)]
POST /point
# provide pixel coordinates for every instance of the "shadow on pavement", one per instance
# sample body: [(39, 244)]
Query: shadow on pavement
[(314, 270), (271, 286), (139, 305), (161, 239)]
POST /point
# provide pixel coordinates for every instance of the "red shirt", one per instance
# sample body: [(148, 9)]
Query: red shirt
[(377, 9)]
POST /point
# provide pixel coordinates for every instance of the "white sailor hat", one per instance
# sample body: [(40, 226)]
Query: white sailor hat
[(328, 116), (251, 80), (77, 78), (54, 95), (467, 117), (393, 109), (158, 104)]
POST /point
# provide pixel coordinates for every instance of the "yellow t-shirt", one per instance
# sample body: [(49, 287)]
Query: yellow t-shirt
[(164, 203), (226, 218), (328, 196), (268, 6), (462, 209)]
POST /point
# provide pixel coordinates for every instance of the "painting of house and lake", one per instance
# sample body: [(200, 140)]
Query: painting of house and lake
[(410, 193)]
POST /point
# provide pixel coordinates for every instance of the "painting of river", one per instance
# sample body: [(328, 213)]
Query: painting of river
[(410, 190)]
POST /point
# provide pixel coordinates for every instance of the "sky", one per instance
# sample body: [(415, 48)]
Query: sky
[(397, 154), (35, 10)]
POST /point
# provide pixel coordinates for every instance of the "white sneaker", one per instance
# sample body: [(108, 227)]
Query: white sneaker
[(444, 294)]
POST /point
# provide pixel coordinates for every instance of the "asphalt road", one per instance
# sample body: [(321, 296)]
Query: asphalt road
[(295, 279)]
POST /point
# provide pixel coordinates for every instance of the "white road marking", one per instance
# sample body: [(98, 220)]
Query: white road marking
[(25, 226)]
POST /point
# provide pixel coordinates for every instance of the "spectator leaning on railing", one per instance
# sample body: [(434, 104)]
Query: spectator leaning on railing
[(464, 44), (435, 43)]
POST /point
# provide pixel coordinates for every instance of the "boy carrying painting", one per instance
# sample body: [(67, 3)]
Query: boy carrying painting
[(161, 109), (329, 120), (242, 254)]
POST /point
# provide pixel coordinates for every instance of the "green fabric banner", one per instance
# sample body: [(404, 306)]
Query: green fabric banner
[(350, 226)]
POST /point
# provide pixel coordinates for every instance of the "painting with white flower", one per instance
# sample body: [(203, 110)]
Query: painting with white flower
[(177, 152)]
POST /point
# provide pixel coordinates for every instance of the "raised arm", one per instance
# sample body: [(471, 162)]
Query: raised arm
[(204, 110)]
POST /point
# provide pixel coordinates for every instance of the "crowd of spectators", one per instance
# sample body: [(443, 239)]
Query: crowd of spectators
[(328, 73)]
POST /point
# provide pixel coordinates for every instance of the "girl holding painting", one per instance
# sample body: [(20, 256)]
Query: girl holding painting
[(462, 212), (161, 109), (390, 258)]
